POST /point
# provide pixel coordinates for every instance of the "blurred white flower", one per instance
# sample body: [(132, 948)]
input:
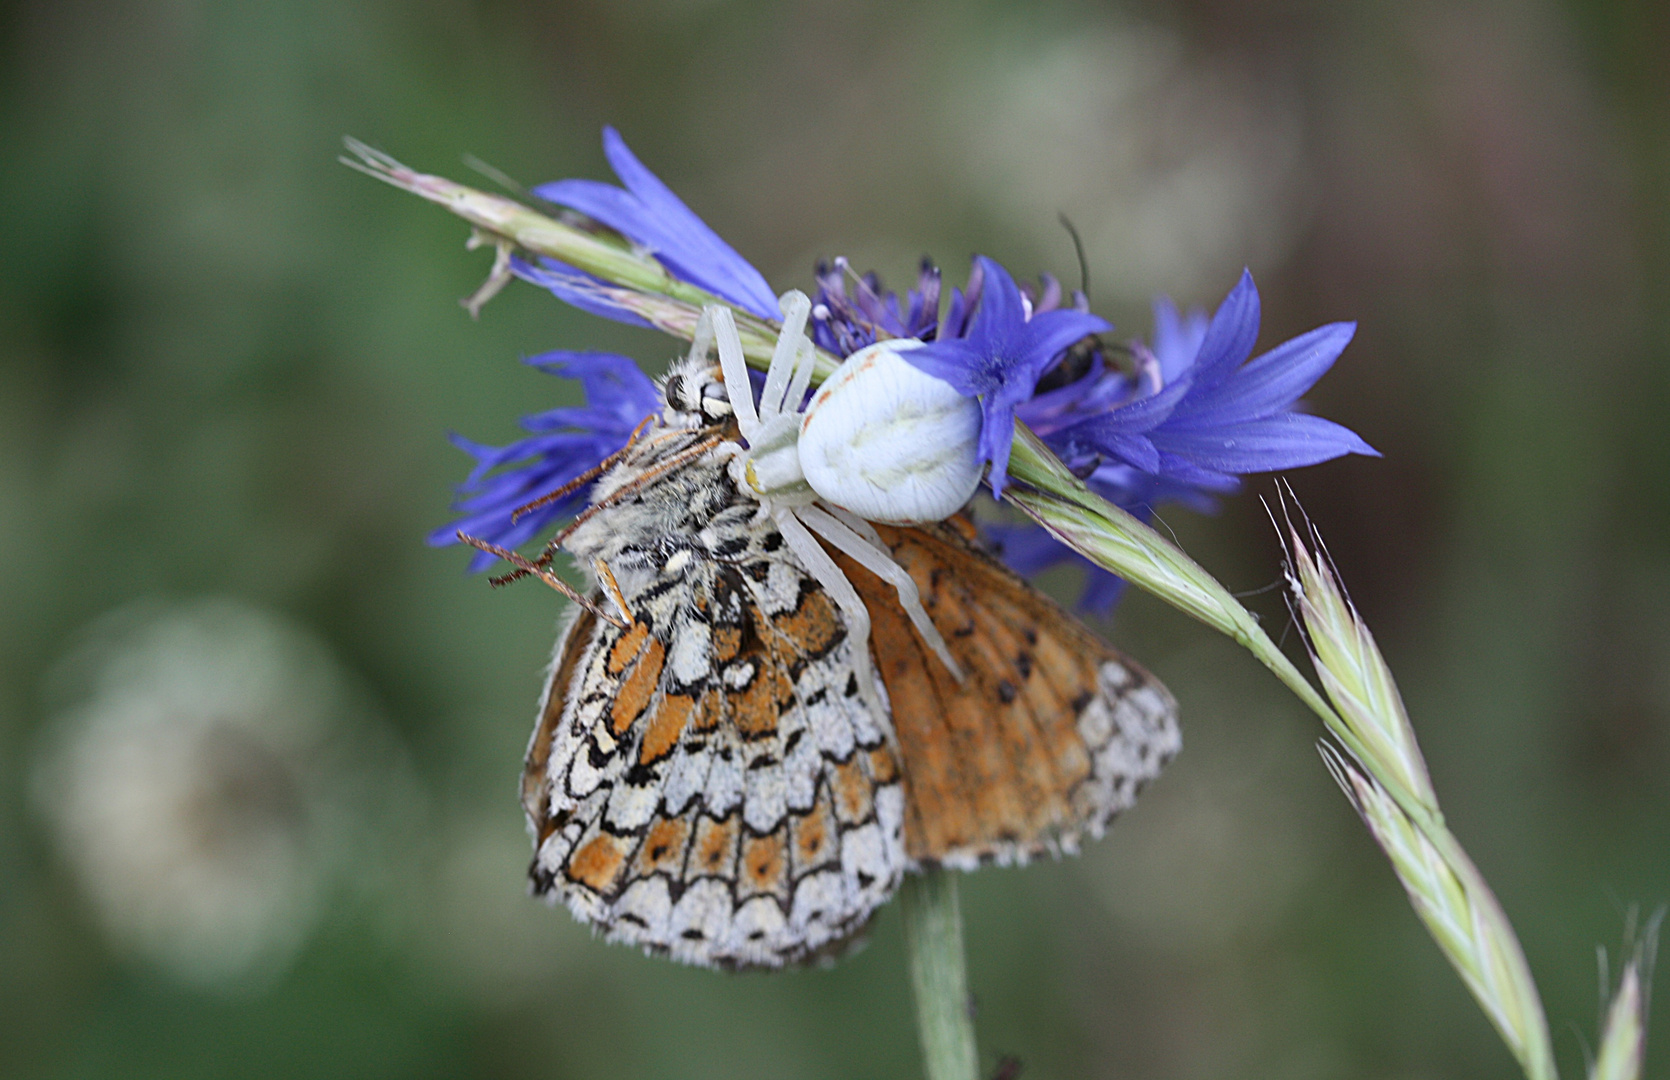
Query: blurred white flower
[(213, 774)]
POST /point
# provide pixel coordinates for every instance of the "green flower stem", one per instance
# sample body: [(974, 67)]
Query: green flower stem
[(934, 949)]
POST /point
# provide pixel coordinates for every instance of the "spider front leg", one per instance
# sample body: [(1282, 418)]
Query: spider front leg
[(792, 354), (874, 557), (734, 366), (775, 425), (823, 569)]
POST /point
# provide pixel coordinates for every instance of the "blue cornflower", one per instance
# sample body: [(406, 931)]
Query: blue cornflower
[(566, 443), (1189, 418), (647, 213), (999, 354), (1181, 422)]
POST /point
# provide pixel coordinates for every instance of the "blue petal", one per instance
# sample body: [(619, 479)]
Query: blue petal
[(1049, 335), (1183, 474), (1139, 492), (1177, 338), (608, 379), (649, 214), (1133, 448), (955, 361), (1286, 441), (1102, 591), (1026, 549), (997, 437), (1230, 337), (570, 419), (1120, 433), (1272, 382), (575, 287), (1001, 315)]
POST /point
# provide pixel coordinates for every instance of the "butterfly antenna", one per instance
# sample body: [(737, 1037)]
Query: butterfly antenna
[(586, 477), (526, 567), (626, 490)]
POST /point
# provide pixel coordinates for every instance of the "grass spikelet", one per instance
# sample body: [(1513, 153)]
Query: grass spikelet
[(1623, 1034), (1448, 893), (1461, 913)]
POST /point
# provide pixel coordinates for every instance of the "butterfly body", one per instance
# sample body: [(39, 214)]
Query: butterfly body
[(710, 780)]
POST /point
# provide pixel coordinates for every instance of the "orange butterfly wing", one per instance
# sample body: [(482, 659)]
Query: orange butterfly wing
[(752, 821), (1050, 734)]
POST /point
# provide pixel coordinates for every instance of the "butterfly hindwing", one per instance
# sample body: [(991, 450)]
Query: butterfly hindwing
[(707, 782)]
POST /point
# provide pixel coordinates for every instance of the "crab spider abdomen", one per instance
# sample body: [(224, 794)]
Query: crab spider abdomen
[(888, 442)]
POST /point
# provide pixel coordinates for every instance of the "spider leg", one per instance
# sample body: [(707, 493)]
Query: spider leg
[(873, 555), (795, 308), (823, 569), (804, 363), (731, 362), (702, 340), (856, 524)]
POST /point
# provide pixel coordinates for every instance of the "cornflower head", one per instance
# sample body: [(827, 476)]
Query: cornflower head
[(1180, 420), (1177, 421)]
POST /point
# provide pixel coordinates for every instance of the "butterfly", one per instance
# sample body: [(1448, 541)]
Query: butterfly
[(726, 771)]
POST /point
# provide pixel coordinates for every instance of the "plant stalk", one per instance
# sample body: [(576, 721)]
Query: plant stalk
[(938, 976)]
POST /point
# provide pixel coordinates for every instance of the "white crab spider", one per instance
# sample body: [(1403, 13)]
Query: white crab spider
[(889, 442), (771, 466)]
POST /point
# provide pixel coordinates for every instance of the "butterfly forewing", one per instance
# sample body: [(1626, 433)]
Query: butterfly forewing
[(1050, 734)]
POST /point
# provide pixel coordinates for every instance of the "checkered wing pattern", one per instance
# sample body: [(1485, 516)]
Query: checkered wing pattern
[(708, 783)]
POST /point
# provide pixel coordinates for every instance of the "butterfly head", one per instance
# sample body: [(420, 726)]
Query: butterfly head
[(696, 388)]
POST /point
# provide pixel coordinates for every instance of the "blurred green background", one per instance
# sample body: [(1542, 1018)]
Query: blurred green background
[(227, 366)]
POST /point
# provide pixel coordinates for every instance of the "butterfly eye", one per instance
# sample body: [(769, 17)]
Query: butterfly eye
[(889, 442), (678, 392)]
